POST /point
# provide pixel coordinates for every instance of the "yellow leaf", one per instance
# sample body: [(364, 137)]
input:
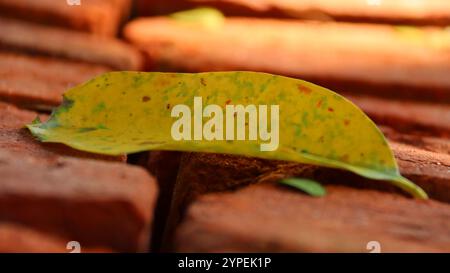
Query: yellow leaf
[(125, 112)]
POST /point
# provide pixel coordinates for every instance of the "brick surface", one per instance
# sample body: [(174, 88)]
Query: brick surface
[(435, 12), (205, 173), (14, 137), (417, 117), (99, 204), (20, 239), (24, 82), (101, 17), (428, 143), (342, 57), (430, 170), (274, 218), (58, 42)]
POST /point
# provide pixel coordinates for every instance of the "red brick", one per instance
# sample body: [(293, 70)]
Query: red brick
[(205, 173), (58, 42), (434, 12), (428, 143), (20, 239), (24, 82), (99, 204), (343, 57), (101, 17), (430, 170), (274, 218), (415, 117)]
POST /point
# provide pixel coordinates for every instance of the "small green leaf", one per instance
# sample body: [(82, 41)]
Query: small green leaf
[(37, 120), (308, 186)]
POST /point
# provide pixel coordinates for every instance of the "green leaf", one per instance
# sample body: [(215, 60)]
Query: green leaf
[(37, 120), (309, 186), (125, 112)]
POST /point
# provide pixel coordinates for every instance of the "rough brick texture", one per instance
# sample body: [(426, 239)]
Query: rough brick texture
[(53, 41), (204, 173), (25, 83), (20, 239), (101, 17), (274, 218), (423, 118), (97, 203), (428, 143)]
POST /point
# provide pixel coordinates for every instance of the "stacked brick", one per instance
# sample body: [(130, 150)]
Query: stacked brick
[(51, 194)]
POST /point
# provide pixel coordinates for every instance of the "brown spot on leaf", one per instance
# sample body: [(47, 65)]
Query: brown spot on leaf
[(319, 103), (168, 106), (330, 109), (344, 158), (303, 89), (163, 82), (228, 102), (202, 80), (346, 122), (145, 98)]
